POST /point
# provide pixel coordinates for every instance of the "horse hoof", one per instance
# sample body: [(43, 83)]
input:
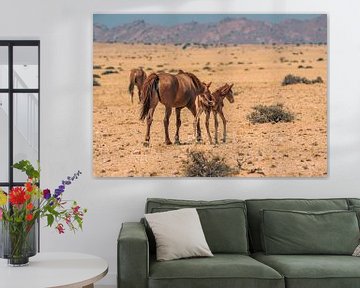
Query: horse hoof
[(177, 142), (223, 140), (168, 142), (146, 144)]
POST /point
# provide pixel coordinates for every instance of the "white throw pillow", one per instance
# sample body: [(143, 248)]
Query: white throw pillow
[(357, 251), (178, 234)]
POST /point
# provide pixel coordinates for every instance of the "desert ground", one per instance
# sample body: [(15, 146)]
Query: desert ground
[(294, 149)]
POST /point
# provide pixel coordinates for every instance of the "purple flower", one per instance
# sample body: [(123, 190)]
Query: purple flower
[(46, 194), (64, 183)]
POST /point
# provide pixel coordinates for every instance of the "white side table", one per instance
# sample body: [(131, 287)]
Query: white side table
[(50, 270)]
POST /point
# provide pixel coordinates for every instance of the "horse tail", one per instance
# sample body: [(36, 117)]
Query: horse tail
[(132, 81), (150, 86)]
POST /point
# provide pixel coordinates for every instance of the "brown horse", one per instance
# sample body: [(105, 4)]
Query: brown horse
[(217, 98), (203, 103), (173, 91), (137, 77)]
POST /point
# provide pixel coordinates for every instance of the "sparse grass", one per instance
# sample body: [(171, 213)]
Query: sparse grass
[(97, 67), (200, 164), (107, 72), (291, 79), (320, 59), (110, 68), (270, 114), (96, 76)]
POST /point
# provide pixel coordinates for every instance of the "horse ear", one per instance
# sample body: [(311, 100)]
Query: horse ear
[(208, 85), (231, 85)]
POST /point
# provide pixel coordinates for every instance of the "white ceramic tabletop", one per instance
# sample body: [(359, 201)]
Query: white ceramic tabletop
[(45, 270)]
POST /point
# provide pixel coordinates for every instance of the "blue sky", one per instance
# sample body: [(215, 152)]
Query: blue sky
[(112, 20)]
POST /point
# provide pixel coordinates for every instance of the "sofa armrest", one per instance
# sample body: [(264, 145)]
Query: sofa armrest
[(133, 256)]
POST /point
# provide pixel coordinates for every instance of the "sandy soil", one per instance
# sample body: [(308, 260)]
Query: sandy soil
[(265, 150)]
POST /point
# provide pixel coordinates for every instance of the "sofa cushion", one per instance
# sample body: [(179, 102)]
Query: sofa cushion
[(178, 234), (353, 201), (223, 221), (314, 271), (254, 216), (297, 232), (356, 209), (222, 270)]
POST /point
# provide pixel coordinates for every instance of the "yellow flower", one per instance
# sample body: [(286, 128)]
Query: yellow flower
[(3, 198)]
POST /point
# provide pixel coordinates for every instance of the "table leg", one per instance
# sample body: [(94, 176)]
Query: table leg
[(89, 286)]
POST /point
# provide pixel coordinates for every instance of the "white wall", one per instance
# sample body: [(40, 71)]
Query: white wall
[(65, 30)]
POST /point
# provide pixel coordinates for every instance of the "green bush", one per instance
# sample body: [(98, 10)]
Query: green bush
[(270, 114)]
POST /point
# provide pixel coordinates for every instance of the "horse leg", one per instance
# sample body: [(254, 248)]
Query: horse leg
[(149, 119), (224, 123), (168, 111), (178, 124), (216, 127), (207, 125), (192, 109), (132, 96), (139, 93), (197, 123)]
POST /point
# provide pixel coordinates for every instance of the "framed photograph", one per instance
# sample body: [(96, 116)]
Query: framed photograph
[(210, 95)]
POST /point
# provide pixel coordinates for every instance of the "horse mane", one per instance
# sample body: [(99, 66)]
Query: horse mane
[(220, 91)]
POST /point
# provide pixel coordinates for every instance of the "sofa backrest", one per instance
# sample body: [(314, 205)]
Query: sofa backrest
[(223, 221), (255, 206)]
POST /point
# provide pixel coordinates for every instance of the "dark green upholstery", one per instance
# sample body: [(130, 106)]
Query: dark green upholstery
[(136, 269), (356, 209), (222, 270), (294, 232), (133, 256), (254, 216), (223, 221), (315, 271), (353, 202)]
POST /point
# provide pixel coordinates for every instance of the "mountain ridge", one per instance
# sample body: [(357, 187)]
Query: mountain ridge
[(229, 30)]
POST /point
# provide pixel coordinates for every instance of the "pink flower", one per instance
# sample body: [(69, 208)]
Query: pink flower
[(1, 213), (60, 228)]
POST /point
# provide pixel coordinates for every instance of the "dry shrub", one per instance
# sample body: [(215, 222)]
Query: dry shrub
[(200, 164), (270, 114), (291, 79), (107, 72), (96, 83)]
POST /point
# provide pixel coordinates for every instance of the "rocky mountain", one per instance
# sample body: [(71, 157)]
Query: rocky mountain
[(230, 30)]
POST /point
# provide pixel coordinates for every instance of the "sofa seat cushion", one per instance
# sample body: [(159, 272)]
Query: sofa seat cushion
[(222, 270), (314, 271)]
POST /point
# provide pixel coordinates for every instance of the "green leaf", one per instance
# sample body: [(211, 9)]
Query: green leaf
[(50, 219), (26, 167)]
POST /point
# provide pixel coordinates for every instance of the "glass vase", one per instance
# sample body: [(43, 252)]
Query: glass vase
[(18, 242)]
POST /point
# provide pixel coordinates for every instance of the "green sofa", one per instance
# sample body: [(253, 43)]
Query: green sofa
[(233, 230)]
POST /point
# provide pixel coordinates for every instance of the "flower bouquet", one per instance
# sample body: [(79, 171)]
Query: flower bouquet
[(21, 208)]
